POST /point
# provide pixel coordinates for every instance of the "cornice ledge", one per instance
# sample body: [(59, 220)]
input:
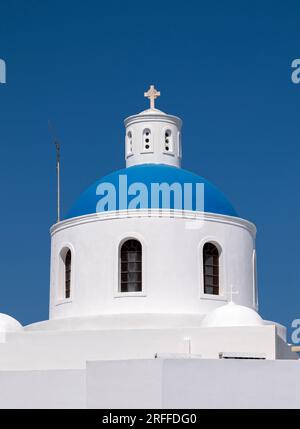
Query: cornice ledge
[(161, 117), (155, 213)]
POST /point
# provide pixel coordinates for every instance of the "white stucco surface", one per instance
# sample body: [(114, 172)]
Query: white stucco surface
[(156, 383), (71, 349), (156, 123), (43, 389), (172, 267), (194, 383)]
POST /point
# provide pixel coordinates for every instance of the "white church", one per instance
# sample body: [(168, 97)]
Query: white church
[(153, 296)]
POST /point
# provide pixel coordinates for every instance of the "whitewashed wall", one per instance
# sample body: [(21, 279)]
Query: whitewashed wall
[(193, 383), (157, 123), (172, 266), (156, 383)]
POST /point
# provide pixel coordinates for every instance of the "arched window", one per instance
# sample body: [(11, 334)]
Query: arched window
[(129, 144), (211, 269), (131, 266), (169, 141), (147, 140), (68, 264)]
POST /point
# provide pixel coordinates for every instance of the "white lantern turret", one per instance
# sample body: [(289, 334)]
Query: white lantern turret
[(152, 136)]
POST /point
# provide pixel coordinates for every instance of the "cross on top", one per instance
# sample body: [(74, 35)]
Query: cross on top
[(232, 291), (152, 94)]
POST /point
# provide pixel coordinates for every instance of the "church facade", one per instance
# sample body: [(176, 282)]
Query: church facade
[(153, 296)]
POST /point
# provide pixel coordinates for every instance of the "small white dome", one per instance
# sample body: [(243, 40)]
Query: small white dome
[(232, 315), (8, 323)]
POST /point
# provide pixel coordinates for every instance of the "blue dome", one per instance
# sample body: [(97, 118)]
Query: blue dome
[(147, 174)]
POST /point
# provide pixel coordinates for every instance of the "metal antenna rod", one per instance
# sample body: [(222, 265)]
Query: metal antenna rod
[(57, 148)]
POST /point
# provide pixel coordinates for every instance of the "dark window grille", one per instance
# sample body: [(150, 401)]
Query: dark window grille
[(211, 269), (131, 266), (68, 263)]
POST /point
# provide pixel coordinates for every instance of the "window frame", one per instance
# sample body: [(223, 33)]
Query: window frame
[(222, 296), (117, 288), (129, 143), (61, 275), (151, 141), (211, 260), (68, 274), (173, 141)]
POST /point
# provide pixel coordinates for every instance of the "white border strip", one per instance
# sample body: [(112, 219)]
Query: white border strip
[(146, 213)]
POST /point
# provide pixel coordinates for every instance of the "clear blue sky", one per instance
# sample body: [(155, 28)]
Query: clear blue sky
[(224, 67)]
